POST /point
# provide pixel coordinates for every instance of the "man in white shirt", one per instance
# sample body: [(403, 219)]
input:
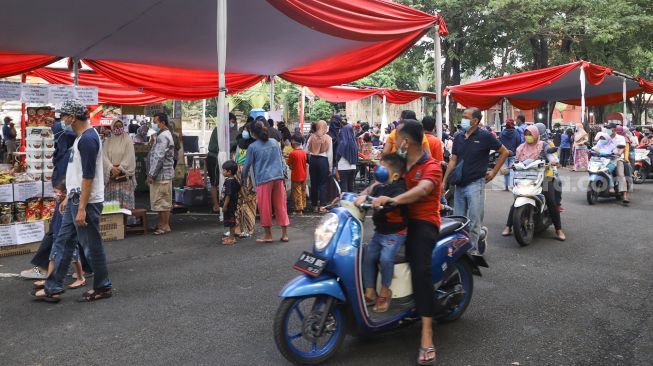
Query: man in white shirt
[(81, 209)]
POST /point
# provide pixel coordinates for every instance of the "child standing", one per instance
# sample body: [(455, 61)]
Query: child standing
[(229, 199), (389, 230), (297, 164)]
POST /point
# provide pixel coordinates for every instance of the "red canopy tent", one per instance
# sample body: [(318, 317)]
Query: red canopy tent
[(578, 83), (201, 48)]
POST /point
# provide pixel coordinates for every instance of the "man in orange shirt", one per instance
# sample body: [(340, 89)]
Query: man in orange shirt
[(390, 145), (435, 144)]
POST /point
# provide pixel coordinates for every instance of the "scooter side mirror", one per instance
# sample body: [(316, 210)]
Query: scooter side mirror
[(621, 146), (552, 150)]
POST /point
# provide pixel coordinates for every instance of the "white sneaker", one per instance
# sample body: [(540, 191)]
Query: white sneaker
[(226, 233), (33, 274)]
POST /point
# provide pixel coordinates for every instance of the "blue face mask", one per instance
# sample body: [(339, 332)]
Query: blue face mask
[(245, 135), (465, 124), (381, 174), (66, 127), (156, 128)]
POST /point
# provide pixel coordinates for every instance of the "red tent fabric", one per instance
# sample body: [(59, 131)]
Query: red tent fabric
[(371, 20), (529, 90), (646, 85), (108, 91), (17, 63), (342, 94), (171, 82)]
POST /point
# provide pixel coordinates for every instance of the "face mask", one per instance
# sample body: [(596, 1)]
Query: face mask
[(530, 139), (117, 131), (608, 131), (232, 125), (66, 127), (156, 128), (465, 124), (381, 174), (402, 152), (245, 135)]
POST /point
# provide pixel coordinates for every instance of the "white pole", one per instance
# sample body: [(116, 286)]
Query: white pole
[(203, 139), (271, 93), (301, 111), (446, 110), (76, 71), (582, 95), (384, 118), (625, 100), (438, 83), (223, 126), (371, 111)]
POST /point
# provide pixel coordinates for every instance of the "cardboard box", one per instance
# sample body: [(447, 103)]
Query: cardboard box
[(10, 250), (112, 226)]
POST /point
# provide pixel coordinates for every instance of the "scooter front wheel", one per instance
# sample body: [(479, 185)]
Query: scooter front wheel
[(639, 175), (297, 332), (522, 225), (592, 195)]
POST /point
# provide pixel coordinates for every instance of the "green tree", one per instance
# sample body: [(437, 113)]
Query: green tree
[(320, 109)]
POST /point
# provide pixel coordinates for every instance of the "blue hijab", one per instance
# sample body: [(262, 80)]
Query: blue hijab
[(347, 146)]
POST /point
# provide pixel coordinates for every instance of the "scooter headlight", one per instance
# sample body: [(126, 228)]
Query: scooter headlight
[(325, 230), (524, 183)]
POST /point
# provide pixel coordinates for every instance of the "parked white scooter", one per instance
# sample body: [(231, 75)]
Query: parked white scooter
[(531, 214)]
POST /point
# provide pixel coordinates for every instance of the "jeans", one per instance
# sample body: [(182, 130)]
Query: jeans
[(347, 180), (508, 177), (91, 240), (470, 201), (318, 169), (382, 249)]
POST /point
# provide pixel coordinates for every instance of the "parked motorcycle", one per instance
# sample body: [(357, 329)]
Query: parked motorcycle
[(602, 183), (327, 302), (643, 169), (531, 214)]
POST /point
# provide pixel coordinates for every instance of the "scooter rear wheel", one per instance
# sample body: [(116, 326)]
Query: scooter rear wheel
[(296, 333), (457, 277), (522, 225)]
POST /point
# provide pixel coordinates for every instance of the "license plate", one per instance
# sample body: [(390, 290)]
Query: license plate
[(310, 264)]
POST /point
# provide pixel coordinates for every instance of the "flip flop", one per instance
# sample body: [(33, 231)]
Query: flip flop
[(425, 352), (161, 232), (284, 240), (267, 241), (94, 295), (51, 298)]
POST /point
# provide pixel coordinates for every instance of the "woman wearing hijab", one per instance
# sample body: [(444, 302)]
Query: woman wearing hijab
[(246, 208), (534, 148), (581, 158), (346, 158), (320, 150), (119, 167)]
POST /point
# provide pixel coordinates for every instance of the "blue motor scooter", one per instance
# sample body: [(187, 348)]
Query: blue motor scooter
[(322, 306)]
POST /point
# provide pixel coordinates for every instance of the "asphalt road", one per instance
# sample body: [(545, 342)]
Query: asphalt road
[(181, 299)]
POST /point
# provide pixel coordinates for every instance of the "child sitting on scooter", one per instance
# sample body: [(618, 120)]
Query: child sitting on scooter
[(389, 230)]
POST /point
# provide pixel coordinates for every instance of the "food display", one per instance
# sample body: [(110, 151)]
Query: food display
[(6, 213), (39, 150), (40, 117), (47, 208)]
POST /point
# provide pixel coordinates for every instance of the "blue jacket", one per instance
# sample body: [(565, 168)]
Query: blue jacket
[(265, 158), (565, 141), (510, 138)]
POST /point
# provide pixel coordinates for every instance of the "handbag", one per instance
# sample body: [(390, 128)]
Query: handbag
[(456, 176), (194, 179)]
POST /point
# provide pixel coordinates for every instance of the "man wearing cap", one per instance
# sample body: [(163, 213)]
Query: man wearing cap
[(81, 208), (613, 143), (9, 138)]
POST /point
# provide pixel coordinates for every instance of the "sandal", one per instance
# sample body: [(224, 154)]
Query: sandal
[(47, 297), (93, 295), (382, 303), (39, 284), (284, 240), (78, 286), (506, 232), (259, 240), (228, 241), (161, 232), (423, 358)]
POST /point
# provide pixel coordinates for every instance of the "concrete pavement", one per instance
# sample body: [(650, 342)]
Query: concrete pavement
[(181, 299)]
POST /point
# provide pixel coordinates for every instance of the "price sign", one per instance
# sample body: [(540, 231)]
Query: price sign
[(27, 190), (48, 191), (60, 93), (87, 94), (34, 94), (152, 109), (29, 232), (7, 235), (10, 91), (6, 193)]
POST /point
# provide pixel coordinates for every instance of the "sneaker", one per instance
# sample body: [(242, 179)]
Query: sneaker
[(33, 274), (226, 233), (243, 235)]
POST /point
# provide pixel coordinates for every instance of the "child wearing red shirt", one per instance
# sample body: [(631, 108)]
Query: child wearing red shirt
[(297, 164)]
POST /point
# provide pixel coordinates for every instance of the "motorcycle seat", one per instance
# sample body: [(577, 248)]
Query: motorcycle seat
[(450, 224)]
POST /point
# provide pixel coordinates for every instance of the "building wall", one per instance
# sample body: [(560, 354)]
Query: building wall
[(359, 110)]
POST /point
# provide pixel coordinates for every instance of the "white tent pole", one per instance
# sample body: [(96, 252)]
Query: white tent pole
[(223, 126), (446, 109), (384, 118), (582, 94), (202, 143), (438, 83), (548, 115), (371, 111), (271, 93), (75, 71), (625, 100), (301, 110)]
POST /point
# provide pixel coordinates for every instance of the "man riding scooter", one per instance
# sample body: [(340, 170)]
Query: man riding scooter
[(612, 143)]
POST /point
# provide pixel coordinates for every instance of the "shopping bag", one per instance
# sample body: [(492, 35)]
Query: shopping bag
[(195, 179)]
